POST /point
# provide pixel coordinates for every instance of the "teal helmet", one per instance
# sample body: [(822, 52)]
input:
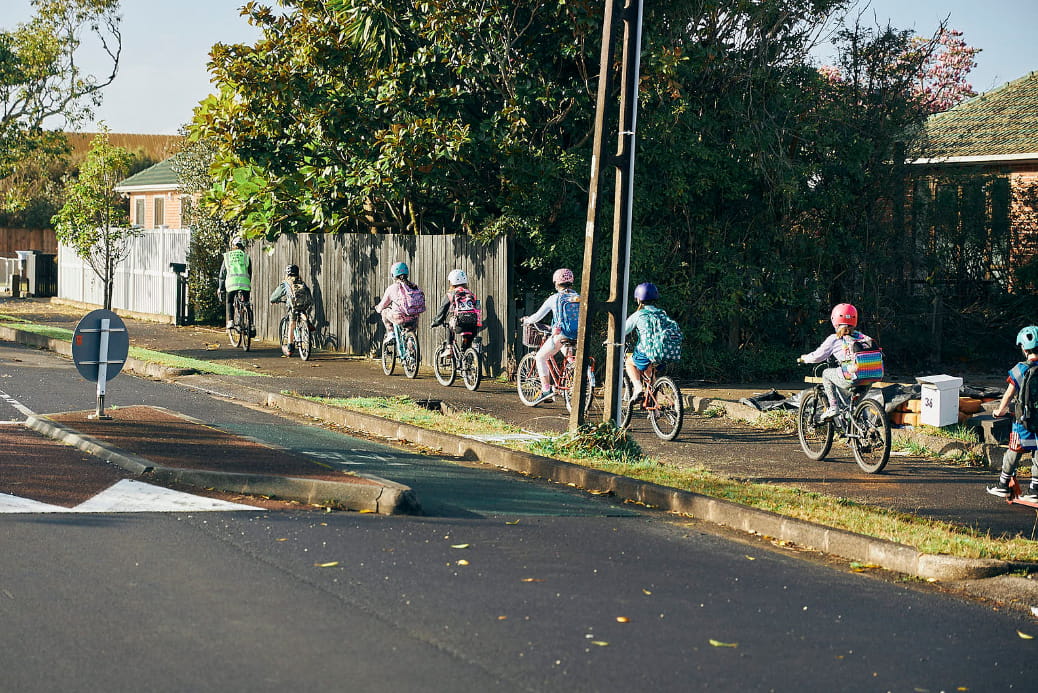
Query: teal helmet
[(399, 270), (1027, 338)]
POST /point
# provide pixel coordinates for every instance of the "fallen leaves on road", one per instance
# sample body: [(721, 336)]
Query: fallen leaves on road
[(462, 562), (622, 619), (718, 643), (1024, 636), (330, 564), (531, 580), (460, 546)]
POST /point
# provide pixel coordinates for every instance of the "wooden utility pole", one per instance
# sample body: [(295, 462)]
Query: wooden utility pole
[(615, 306)]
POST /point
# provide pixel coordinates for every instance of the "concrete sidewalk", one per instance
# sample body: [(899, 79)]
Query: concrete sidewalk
[(341, 375)]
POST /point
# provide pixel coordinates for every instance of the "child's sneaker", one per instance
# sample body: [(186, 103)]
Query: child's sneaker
[(1031, 495), (1001, 490), (828, 413), (544, 397)]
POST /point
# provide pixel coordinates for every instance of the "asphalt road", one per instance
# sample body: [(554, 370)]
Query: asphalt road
[(553, 591)]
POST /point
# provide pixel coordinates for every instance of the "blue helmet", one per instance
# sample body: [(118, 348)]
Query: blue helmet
[(1027, 338), (399, 270), (646, 292)]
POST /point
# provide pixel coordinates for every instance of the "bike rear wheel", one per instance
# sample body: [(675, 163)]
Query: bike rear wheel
[(412, 356), (566, 386), (303, 338), (871, 444), (246, 326), (816, 437), (388, 356), (668, 413), (527, 381), (283, 336), (234, 332), (471, 368)]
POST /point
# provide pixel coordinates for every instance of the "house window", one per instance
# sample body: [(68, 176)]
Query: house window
[(138, 214), (160, 212)]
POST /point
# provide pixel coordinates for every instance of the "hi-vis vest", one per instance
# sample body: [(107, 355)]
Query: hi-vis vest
[(237, 264)]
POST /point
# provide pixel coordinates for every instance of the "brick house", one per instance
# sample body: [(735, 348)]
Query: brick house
[(155, 197), (980, 176)]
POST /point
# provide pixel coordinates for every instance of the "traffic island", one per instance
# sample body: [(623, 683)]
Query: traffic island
[(165, 447)]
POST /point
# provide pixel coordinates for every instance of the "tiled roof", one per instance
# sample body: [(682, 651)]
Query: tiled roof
[(999, 124), (161, 174)]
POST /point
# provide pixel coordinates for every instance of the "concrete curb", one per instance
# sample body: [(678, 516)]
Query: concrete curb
[(857, 547), (383, 496)]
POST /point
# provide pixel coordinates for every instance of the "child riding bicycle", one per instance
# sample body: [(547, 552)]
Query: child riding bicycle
[(402, 301), (1021, 440), (458, 309), (235, 277), (564, 305), (841, 346), (294, 292), (655, 344)]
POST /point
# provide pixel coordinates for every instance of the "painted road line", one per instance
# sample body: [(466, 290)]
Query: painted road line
[(126, 496), (22, 409)]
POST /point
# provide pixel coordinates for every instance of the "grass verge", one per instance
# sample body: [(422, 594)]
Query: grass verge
[(163, 359), (599, 448)]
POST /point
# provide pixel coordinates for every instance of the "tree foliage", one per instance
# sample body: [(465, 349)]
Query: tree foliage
[(41, 77), (94, 221)]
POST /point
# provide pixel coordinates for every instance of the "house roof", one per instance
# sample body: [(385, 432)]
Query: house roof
[(158, 177), (999, 126)]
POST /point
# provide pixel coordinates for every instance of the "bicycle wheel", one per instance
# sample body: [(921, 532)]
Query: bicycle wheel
[(624, 420), (388, 356), (246, 326), (567, 386), (816, 437), (412, 355), (527, 381), (303, 338), (234, 331), (444, 367), (668, 413), (871, 442), (283, 335), (471, 368)]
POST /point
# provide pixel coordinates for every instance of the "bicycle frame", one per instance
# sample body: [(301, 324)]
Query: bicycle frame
[(398, 337)]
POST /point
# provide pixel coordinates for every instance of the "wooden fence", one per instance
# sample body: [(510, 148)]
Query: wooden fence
[(143, 282), (27, 239), (349, 272)]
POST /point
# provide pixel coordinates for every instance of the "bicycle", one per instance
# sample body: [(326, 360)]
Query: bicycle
[(861, 421), (303, 339), (241, 330), (663, 403), (528, 381), (452, 357), (403, 344)]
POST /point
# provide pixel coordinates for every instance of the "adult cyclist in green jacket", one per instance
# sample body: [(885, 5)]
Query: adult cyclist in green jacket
[(235, 276)]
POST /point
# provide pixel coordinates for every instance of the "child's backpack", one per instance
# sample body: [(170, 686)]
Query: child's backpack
[(299, 295), (866, 362), (464, 312), (566, 313), (661, 342), (413, 302), (1026, 410)]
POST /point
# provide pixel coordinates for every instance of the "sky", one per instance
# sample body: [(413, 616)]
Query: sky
[(166, 47)]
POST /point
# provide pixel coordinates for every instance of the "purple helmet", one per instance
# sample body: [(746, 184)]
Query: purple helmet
[(646, 292)]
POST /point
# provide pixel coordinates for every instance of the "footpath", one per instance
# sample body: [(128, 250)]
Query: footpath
[(262, 376)]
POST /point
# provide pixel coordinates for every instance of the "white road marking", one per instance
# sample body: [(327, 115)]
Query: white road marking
[(22, 409), (126, 496)]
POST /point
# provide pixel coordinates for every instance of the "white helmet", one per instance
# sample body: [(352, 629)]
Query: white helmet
[(457, 277)]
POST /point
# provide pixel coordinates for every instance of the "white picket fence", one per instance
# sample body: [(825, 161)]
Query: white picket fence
[(144, 283)]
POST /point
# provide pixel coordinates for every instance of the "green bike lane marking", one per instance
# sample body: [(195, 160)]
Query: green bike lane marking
[(443, 487)]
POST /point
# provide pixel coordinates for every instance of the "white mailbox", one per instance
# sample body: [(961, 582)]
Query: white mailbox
[(939, 399)]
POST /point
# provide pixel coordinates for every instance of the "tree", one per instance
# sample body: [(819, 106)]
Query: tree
[(94, 221), (41, 78)]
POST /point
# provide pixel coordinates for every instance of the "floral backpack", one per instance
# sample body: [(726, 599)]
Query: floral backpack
[(661, 342)]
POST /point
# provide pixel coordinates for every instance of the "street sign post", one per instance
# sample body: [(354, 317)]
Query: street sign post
[(99, 348)]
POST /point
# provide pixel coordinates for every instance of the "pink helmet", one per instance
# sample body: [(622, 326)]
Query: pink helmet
[(562, 276), (844, 314)]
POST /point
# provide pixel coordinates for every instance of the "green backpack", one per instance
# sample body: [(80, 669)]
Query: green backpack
[(661, 342)]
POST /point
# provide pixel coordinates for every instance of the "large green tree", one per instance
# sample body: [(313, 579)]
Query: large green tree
[(94, 220), (41, 78)]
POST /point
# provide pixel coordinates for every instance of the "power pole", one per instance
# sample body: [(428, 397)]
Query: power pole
[(615, 306)]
